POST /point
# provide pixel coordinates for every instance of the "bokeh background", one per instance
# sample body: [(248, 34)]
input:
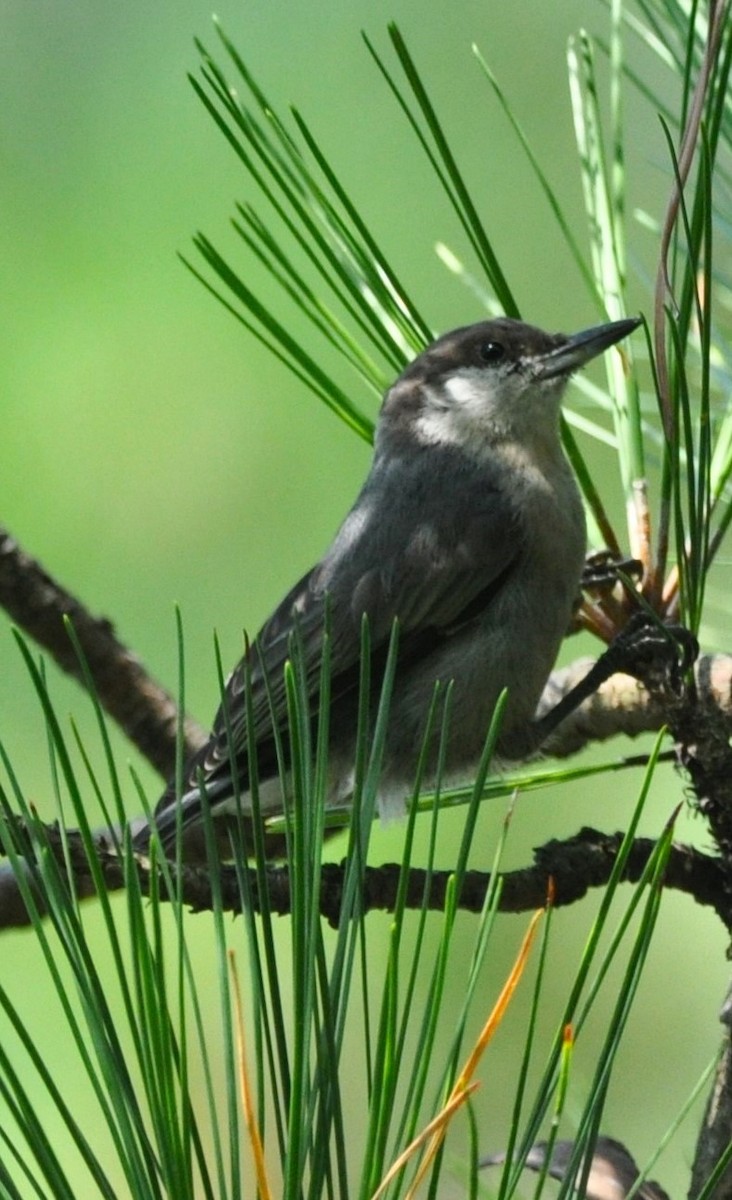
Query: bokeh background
[(152, 453)]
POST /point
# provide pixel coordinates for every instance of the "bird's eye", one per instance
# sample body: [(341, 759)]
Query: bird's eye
[(492, 352)]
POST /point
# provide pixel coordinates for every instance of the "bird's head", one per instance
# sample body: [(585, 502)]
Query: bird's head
[(488, 382)]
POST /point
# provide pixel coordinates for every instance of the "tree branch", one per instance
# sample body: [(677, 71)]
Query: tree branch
[(142, 708), (714, 1137), (573, 866), (623, 705)]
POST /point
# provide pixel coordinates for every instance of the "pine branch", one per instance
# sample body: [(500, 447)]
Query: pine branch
[(142, 708), (564, 870)]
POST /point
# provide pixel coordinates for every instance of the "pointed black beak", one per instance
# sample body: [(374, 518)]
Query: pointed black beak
[(580, 348)]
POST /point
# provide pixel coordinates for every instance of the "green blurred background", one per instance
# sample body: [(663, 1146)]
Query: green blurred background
[(152, 452)]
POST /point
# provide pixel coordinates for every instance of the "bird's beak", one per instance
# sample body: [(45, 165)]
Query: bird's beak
[(579, 348)]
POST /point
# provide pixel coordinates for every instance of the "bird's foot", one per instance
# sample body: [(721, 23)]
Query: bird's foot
[(654, 653), (603, 569)]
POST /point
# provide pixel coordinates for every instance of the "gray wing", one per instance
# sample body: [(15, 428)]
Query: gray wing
[(406, 550)]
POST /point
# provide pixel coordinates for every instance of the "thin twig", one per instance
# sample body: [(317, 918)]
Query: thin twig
[(664, 288)]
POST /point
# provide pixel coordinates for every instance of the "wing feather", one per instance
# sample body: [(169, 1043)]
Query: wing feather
[(406, 551)]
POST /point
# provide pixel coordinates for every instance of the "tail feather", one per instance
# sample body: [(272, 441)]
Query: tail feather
[(174, 816)]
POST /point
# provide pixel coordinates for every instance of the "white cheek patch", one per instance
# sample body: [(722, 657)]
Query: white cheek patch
[(472, 391), (466, 404)]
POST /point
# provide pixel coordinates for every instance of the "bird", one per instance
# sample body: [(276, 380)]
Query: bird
[(469, 533), (612, 1172)]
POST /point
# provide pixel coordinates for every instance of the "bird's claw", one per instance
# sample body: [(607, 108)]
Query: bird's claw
[(603, 568), (652, 651)]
